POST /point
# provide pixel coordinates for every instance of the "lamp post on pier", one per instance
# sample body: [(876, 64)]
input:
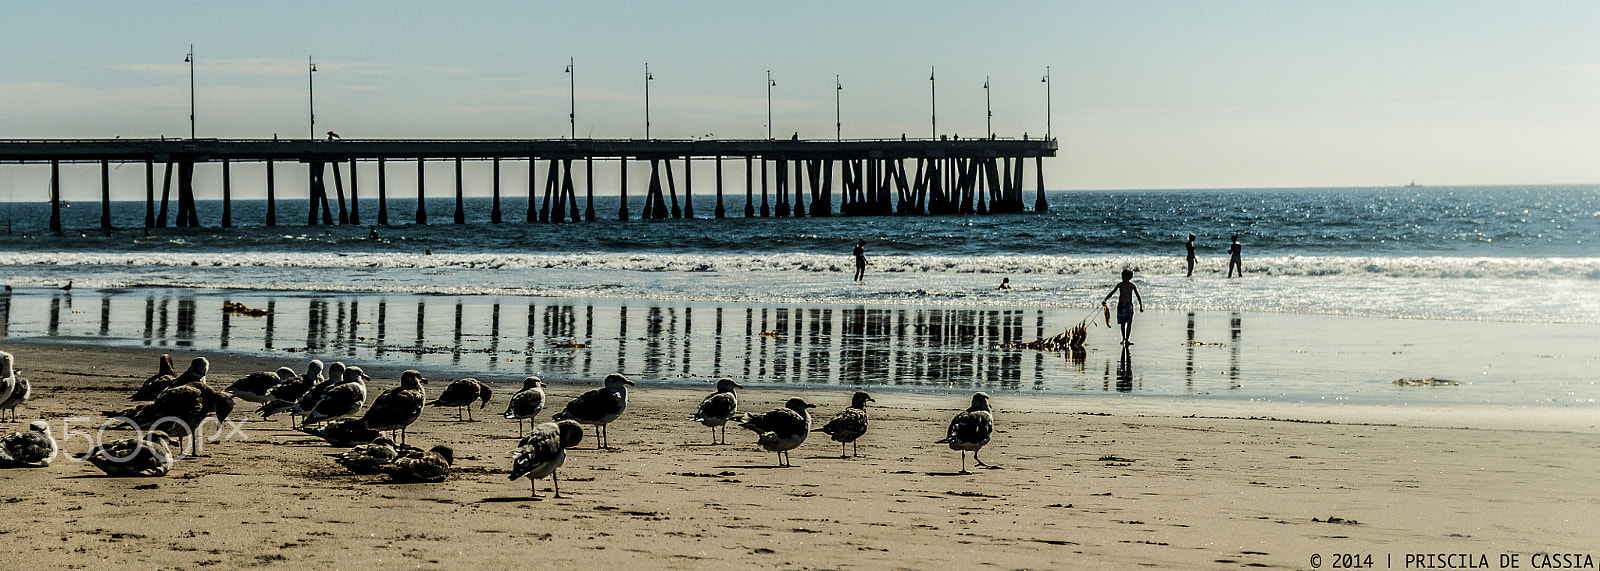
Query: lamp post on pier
[(189, 59), (770, 85), (988, 108), (1046, 82), (311, 94), (933, 101), (572, 94), (838, 124), (647, 79)]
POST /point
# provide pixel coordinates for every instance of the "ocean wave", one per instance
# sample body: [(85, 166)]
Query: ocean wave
[(1439, 267)]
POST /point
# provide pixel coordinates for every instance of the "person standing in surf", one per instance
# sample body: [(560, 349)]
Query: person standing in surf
[(1234, 259), (1190, 259), (861, 260), (1126, 292)]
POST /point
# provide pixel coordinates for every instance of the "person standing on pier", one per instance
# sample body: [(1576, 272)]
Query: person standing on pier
[(1126, 292), (1234, 258), (1190, 259), (861, 260)]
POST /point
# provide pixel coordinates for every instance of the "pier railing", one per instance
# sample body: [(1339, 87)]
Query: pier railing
[(949, 175)]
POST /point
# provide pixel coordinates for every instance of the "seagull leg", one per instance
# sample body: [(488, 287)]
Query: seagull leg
[(841, 451), (555, 484), (975, 459), (964, 462), (533, 486)]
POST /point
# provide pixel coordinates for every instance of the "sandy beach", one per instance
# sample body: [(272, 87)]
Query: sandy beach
[(1078, 482)]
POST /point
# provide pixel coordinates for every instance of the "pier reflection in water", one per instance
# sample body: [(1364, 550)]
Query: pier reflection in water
[(584, 339)]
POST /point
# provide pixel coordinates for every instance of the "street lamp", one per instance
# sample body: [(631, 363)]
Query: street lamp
[(933, 101), (770, 85), (311, 91), (189, 59), (838, 125), (988, 109), (1046, 82), (647, 79), (572, 111)]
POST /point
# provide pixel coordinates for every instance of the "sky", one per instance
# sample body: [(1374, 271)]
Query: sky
[(1142, 94)]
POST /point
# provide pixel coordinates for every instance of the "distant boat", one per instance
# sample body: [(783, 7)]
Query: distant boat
[(1413, 184)]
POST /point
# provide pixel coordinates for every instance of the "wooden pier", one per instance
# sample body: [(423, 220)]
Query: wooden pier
[(875, 177)]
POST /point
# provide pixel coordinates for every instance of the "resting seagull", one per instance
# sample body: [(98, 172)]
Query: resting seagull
[(527, 403), (718, 408), (781, 429), (32, 448), (369, 458), (148, 457), (600, 406), (970, 430), (460, 394), (397, 408), (544, 450), (849, 424), (431, 466)]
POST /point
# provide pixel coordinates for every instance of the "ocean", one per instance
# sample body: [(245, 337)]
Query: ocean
[(1424, 281)]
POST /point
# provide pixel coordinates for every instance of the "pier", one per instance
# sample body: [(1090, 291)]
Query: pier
[(881, 177)]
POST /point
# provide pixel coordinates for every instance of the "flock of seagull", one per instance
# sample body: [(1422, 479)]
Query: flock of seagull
[(331, 402)]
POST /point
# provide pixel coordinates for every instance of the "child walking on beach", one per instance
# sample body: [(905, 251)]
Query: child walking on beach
[(1126, 292)]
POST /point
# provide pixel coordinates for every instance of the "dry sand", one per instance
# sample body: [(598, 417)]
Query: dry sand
[(1080, 482)]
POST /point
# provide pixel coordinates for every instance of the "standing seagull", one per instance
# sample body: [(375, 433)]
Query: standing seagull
[(849, 424), (8, 376), (544, 450), (397, 408), (345, 399), (718, 408), (781, 429), (255, 387), (157, 382), (20, 394), (970, 430), (149, 456), (34, 448), (181, 408), (600, 406), (527, 403), (460, 394), (317, 391), (287, 393)]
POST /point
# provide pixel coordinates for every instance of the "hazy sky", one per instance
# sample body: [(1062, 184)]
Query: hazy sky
[(1157, 94)]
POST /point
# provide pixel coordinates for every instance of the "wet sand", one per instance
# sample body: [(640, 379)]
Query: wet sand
[(1092, 481)]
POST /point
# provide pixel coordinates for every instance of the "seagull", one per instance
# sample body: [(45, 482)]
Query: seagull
[(157, 382), (34, 448), (970, 430), (527, 403), (67, 287), (544, 450), (718, 408), (255, 387), (179, 410), (460, 394), (397, 408), (149, 456), (600, 406), (315, 393), (8, 376), (369, 458), (849, 424), (432, 466), (780, 429), (284, 396), (345, 432), (19, 394), (345, 399)]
